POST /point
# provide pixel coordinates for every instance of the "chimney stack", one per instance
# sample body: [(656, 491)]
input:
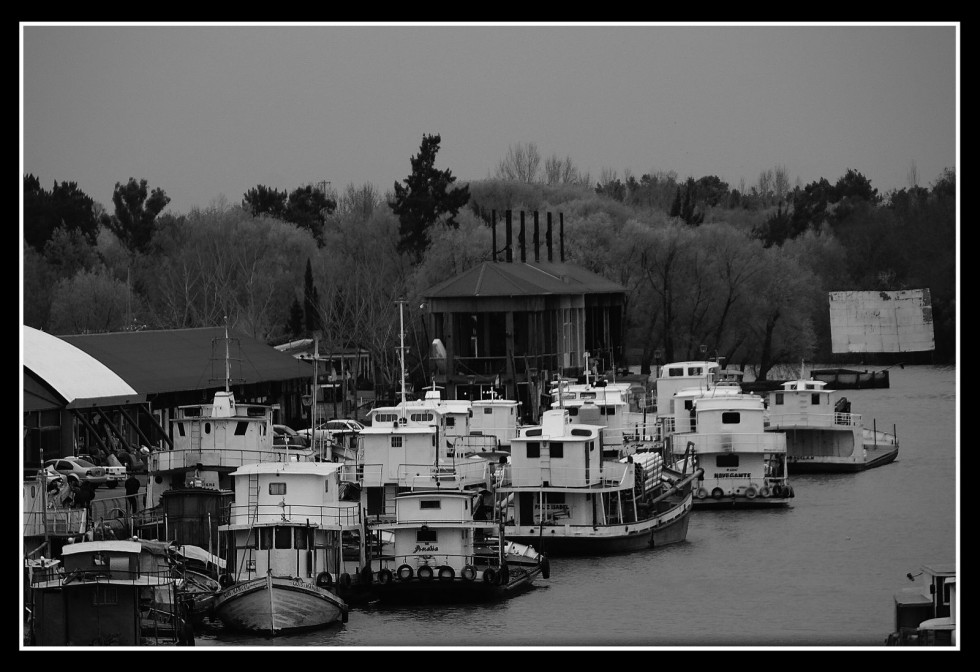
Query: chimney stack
[(547, 237), (493, 230), (561, 234), (520, 239), (510, 250), (537, 239)]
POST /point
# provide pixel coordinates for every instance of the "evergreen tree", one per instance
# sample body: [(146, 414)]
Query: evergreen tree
[(675, 208), (311, 301), (295, 324), (424, 198)]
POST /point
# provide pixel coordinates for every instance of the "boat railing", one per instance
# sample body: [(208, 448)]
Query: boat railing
[(56, 521), (457, 475), (342, 514), (475, 444), (612, 474), (800, 419), (749, 442), (146, 577), (436, 560), (168, 460)]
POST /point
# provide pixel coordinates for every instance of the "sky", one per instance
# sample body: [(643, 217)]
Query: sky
[(208, 111)]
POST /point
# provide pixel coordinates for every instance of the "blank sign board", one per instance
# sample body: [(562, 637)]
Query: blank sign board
[(897, 321)]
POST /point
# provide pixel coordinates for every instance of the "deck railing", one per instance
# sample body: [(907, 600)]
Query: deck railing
[(169, 460), (343, 515)]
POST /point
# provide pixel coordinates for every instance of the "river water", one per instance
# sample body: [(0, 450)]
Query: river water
[(820, 574)]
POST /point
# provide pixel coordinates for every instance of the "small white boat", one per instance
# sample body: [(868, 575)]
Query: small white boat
[(441, 553), (285, 537), (560, 495), (822, 435), (743, 465), (925, 615)]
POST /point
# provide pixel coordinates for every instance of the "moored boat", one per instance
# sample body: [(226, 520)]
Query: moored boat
[(925, 615), (743, 465), (851, 379), (284, 543), (440, 553), (822, 435), (560, 495)]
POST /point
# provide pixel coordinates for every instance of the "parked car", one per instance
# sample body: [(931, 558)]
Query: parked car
[(332, 430), (289, 437), (115, 472), (75, 468)]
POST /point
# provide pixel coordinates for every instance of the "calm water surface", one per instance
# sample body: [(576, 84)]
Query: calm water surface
[(818, 574)]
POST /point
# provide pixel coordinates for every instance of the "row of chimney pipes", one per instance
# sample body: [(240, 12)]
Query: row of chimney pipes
[(508, 248)]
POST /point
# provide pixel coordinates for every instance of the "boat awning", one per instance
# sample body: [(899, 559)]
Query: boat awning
[(77, 377)]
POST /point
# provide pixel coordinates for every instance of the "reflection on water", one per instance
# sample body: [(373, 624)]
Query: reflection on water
[(820, 573)]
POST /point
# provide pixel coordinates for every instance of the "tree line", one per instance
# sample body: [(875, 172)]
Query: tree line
[(739, 273)]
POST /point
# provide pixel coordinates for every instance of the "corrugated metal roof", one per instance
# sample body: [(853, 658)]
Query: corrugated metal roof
[(524, 279), (80, 379), (178, 360)]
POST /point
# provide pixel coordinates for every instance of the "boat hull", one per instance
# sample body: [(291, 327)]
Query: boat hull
[(829, 465), (668, 527), (458, 590), (275, 605)]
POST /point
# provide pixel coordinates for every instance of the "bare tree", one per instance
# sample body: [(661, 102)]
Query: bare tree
[(521, 163), (560, 171)]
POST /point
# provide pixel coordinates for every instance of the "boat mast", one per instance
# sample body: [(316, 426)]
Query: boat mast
[(227, 359), (401, 350)]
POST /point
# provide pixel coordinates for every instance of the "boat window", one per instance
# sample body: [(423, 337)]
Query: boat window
[(300, 537), (778, 398), (695, 371), (588, 395), (726, 460), (192, 412), (255, 412), (533, 449), (815, 399), (607, 410), (450, 422), (556, 449), (284, 536), (688, 404), (430, 504), (581, 432), (241, 428), (675, 372), (396, 442), (421, 417), (533, 432), (207, 427), (180, 429), (810, 387), (104, 594), (265, 538), (591, 445), (277, 488), (425, 535), (731, 418), (487, 411)]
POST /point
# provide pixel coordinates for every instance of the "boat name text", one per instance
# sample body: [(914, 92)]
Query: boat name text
[(428, 548), (733, 475)]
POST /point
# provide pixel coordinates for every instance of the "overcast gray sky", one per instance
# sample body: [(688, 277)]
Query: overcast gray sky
[(204, 111)]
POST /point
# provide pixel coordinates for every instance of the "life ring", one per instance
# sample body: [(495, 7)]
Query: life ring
[(405, 573), (225, 580), (425, 573), (545, 568), (344, 580), (702, 493), (777, 491), (751, 492), (789, 491), (717, 493), (490, 575), (764, 492), (446, 573), (385, 577), (468, 573), (324, 580), (366, 575)]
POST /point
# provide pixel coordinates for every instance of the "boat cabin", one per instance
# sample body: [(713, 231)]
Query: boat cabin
[(681, 375), (288, 519), (925, 615)]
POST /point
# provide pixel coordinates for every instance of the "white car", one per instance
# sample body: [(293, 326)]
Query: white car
[(332, 430)]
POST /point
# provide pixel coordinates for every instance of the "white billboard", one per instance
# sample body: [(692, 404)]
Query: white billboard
[(896, 321)]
